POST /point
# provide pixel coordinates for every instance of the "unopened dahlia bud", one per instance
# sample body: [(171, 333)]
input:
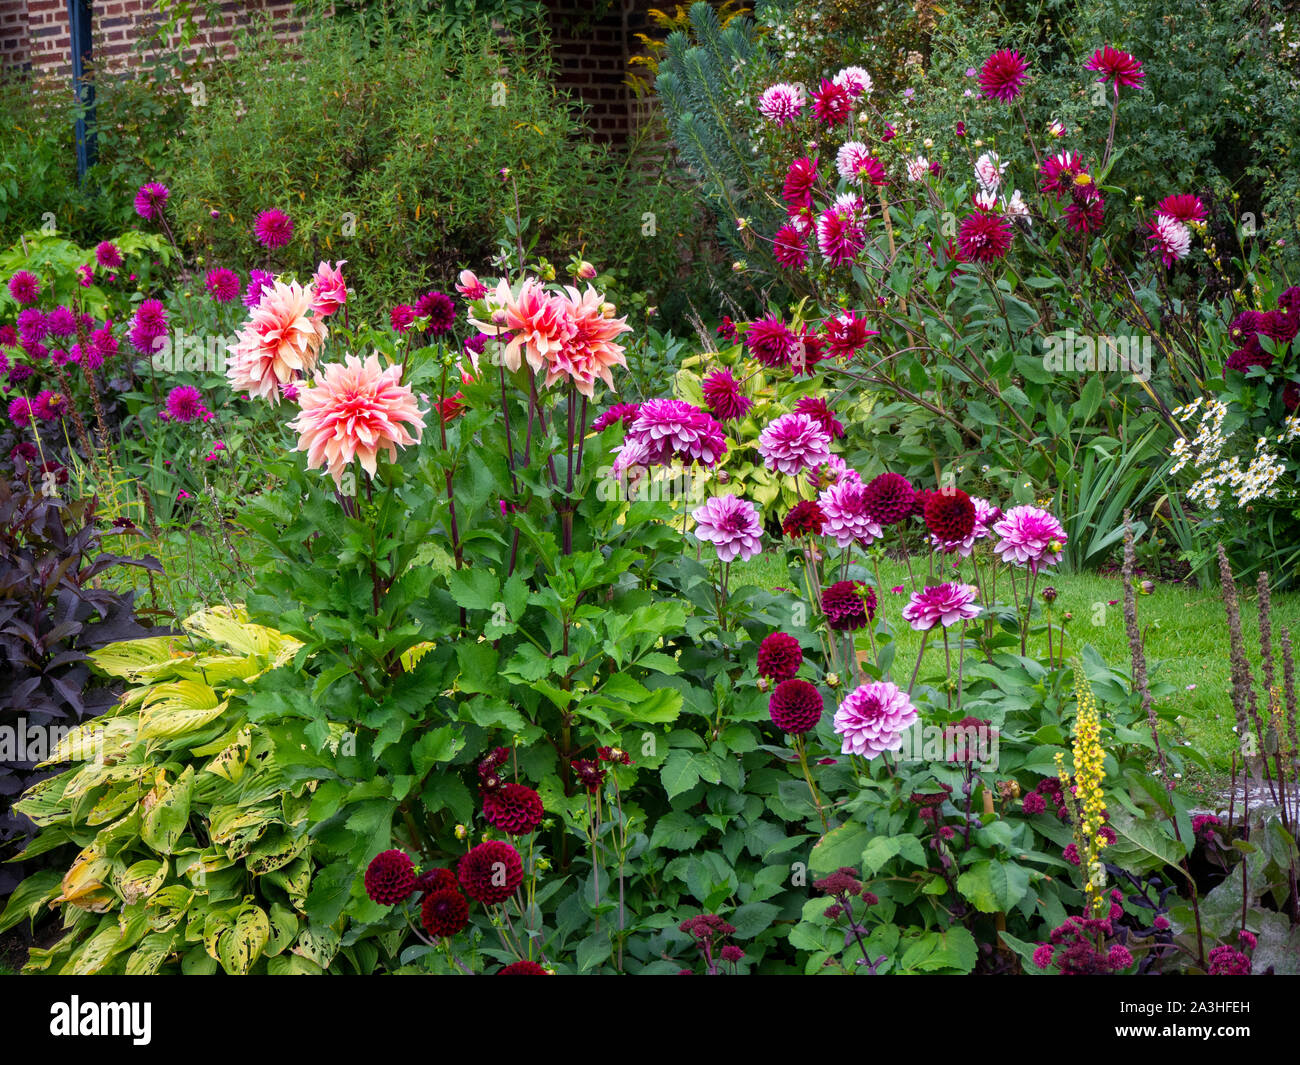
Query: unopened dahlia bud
[(1049, 594), (461, 831), (832, 680)]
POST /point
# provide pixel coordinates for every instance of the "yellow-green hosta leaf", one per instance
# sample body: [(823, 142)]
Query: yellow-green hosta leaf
[(142, 661), (148, 957), (178, 707), (237, 828), (95, 952), (141, 880), (241, 946), (167, 811), (230, 763), (83, 883), (232, 629), (43, 802), (274, 852), (102, 740)]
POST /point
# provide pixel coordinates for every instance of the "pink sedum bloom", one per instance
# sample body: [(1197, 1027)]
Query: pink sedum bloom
[(794, 443), (330, 292), (732, 525), (1030, 537), (279, 341), (354, 410), (944, 604), (873, 718)]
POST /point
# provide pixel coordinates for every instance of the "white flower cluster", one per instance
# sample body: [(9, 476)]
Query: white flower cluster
[(1217, 473)]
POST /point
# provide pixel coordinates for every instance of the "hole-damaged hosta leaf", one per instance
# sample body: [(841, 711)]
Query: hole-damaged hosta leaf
[(167, 810)]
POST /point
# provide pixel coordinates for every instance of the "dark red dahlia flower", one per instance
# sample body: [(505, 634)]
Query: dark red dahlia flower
[(790, 249), (805, 519), (432, 880), (950, 515), (1119, 68), (1291, 396), (795, 706), (590, 773), (779, 656), (439, 309), (513, 808), (490, 872), (1003, 75), (1243, 359), (390, 878), (799, 182), (444, 913), (889, 498), (849, 605), (523, 968)]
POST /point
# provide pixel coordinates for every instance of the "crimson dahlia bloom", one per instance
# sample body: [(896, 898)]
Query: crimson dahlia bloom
[(108, 255), (723, 397), (1003, 75), (889, 498), (771, 342), (1182, 206), (523, 968), (983, 237), (513, 808), (779, 656), (789, 248), (839, 235), (795, 707), (390, 878), (806, 518), (799, 182), (817, 409), (444, 913), (832, 103), (847, 334), (490, 872), (848, 605), (273, 229), (436, 880), (185, 404), (950, 515)]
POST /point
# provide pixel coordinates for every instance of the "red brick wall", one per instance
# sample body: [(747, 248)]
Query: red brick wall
[(35, 38)]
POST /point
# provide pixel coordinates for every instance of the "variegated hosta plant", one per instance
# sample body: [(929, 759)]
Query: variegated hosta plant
[(193, 833)]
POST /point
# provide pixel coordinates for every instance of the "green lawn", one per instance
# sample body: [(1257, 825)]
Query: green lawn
[(1186, 636)]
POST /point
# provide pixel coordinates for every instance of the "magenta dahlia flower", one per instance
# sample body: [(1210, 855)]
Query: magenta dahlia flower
[(1030, 537), (832, 103), (839, 235), (848, 517), (1058, 172), (873, 718), (795, 706), (732, 525), (855, 162), (1119, 68), (1182, 206), (817, 409), (108, 255), (222, 284), (259, 281), (273, 229), (799, 182), (401, 317), (779, 656), (944, 604), (789, 248), (794, 443), (1003, 75), (1170, 239), (150, 200), (1085, 216), (723, 397), (20, 409), (771, 342), (33, 326), (847, 334), (514, 808), (669, 429), (24, 287), (781, 103), (61, 322), (983, 237), (439, 309), (185, 404), (619, 412), (147, 325)]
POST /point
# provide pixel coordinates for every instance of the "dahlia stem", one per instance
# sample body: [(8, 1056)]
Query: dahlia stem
[(947, 660), (919, 655), (807, 775)]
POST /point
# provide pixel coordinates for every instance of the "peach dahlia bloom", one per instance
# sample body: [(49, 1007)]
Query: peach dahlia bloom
[(538, 323), (590, 351), (355, 410), (279, 341)]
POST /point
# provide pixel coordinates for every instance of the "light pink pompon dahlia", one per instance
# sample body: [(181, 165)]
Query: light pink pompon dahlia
[(873, 718), (794, 443), (732, 525), (1030, 537), (279, 341), (944, 604), (355, 409)]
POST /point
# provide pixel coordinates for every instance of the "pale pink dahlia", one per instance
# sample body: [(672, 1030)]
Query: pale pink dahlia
[(673, 429), (794, 443), (589, 348), (781, 103), (944, 604), (1030, 537), (853, 80), (469, 286), (329, 293), (279, 341), (1170, 239), (873, 718), (846, 505), (732, 525), (355, 410)]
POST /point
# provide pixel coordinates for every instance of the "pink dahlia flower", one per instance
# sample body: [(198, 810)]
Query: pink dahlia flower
[(873, 718), (781, 103), (800, 180), (732, 525), (789, 248), (839, 235), (1170, 239), (279, 341), (723, 397), (794, 443), (944, 604), (1030, 537), (24, 287), (832, 103), (150, 200), (329, 293), (185, 404), (1058, 172), (589, 349), (983, 238), (1003, 75), (853, 80), (222, 284), (848, 517), (771, 342), (539, 324), (854, 162), (1119, 68), (469, 286), (354, 410), (108, 255), (273, 229), (1182, 206), (673, 429), (846, 334)]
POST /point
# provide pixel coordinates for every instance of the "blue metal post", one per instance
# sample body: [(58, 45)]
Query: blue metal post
[(79, 21)]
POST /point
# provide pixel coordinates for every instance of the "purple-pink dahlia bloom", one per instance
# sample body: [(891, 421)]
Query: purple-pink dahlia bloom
[(817, 409), (781, 103), (1030, 537), (108, 255), (258, 282), (185, 404), (273, 229), (673, 429), (848, 515), (619, 412), (150, 200), (1003, 75), (732, 525), (873, 718), (24, 287), (839, 235), (943, 604), (771, 342), (794, 443), (222, 284), (1119, 68), (723, 397)]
